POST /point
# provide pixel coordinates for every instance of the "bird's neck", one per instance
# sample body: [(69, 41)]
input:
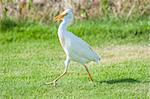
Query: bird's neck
[(63, 26)]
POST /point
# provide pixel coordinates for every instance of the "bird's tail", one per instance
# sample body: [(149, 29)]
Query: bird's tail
[(98, 59)]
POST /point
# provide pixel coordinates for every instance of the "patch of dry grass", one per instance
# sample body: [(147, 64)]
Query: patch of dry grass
[(45, 10), (116, 54)]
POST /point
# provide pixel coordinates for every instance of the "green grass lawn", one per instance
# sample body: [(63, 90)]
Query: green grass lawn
[(30, 55)]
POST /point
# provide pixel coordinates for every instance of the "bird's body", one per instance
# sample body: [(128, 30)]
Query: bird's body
[(75, 48)]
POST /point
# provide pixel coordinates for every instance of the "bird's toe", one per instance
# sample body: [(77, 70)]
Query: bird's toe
[(49, 83)]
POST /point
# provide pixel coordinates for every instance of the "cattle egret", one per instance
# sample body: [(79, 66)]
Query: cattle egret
[(75, 48)]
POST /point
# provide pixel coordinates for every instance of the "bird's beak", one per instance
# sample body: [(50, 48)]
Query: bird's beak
[(60, 17)]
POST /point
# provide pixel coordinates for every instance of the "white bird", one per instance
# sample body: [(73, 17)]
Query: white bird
[(75, 48)]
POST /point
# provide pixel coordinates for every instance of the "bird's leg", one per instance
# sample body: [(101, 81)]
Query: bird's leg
[(88, 73), (65, 71)]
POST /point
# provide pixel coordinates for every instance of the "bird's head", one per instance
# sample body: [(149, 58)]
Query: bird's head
[(66, 15)]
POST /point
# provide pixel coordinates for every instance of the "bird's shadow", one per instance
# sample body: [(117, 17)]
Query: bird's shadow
[(125, 80)]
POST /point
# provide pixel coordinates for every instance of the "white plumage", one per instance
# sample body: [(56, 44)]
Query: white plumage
[(75, 48), (78, 50)]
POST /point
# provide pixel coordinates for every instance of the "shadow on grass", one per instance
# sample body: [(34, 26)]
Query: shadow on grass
[(125, 80)]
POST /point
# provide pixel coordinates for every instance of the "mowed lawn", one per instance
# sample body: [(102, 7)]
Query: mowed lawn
[(124, 72)]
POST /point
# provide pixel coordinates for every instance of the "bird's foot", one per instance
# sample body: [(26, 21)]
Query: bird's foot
[(53, 82)]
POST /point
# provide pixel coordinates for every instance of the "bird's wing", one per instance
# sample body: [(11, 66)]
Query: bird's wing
[(80, 48)]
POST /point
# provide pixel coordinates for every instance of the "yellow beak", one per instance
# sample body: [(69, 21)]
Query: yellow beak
[(60, 17)]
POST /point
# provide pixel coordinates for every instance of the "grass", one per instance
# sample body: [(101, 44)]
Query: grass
[(116, 31), (31, 55), (26, 66)]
